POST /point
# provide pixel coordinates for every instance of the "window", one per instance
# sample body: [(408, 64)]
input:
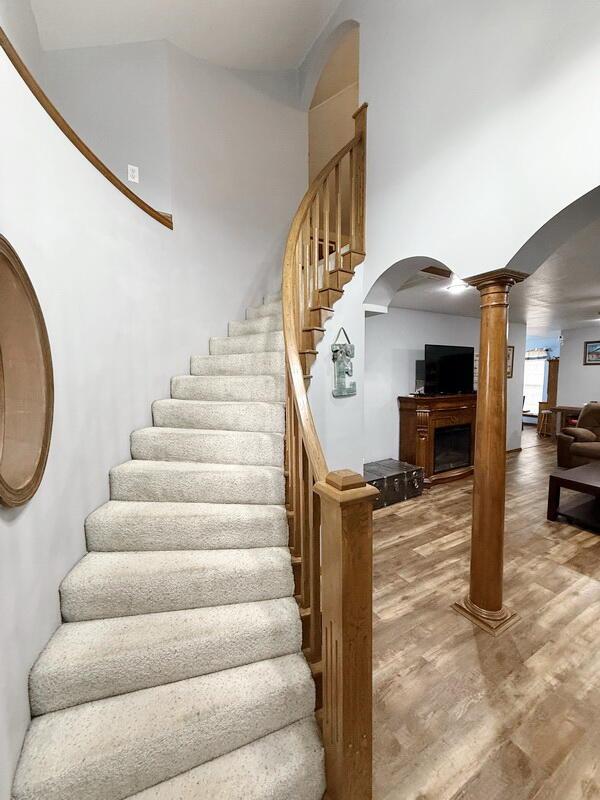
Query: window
[(535, 382)]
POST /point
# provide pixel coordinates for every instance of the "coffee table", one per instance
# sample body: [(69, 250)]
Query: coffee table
[(584, 512)]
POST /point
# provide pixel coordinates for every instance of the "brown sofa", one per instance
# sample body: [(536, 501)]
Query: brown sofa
[(580, 445)]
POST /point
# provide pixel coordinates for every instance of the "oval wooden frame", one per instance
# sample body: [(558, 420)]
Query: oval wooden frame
[(9, 496)]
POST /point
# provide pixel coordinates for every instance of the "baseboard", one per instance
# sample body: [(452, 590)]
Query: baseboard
[(514, 450)]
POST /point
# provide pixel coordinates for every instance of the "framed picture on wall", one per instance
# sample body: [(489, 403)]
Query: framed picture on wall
[(510, 360), (591, 353)]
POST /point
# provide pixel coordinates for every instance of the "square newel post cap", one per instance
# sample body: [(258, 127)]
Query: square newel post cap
[(503, 277), (345, 486)]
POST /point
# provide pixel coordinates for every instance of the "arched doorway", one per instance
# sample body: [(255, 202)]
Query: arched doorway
[(335, 99)]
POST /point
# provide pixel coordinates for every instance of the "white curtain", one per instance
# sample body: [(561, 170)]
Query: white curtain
[(535, 382)]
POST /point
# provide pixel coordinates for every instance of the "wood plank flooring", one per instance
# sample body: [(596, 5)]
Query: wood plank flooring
[(458, 714)]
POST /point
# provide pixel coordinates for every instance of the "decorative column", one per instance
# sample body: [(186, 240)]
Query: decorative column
[(483, 605)]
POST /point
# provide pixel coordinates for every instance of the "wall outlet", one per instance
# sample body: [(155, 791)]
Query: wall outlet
[(133, 174)]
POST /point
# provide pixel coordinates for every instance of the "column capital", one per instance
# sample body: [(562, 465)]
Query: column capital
[(497, 277)]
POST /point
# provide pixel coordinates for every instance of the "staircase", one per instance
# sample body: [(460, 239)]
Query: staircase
[(178, 671)]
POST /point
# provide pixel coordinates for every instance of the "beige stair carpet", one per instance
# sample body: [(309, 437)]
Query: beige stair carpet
[(178, 671)]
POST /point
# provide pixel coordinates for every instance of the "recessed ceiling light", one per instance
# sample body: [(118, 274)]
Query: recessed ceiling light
[(457, 285)]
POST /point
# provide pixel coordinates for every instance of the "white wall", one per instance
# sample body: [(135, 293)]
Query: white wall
[(340, 420), (578, 384), (116, 98), (126, 302), (471, 109), (394, 341), (471, 145)]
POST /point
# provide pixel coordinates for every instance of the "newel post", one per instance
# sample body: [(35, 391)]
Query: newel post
[(483, 605), (347, 596)]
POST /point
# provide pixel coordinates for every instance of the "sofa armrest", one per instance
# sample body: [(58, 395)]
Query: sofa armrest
[(580, 434)]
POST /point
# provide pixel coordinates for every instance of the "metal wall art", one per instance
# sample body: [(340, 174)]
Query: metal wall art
[(342, 355)]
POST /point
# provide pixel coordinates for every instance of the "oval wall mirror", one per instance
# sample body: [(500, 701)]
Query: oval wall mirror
[(26, 383)]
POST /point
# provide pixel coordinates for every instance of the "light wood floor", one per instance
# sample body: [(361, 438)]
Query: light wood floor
[(459, 714)]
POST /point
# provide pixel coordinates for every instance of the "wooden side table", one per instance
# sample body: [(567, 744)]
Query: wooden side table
[(584, 512)]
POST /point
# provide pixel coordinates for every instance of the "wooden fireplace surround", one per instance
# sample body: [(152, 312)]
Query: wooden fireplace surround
[(420, 415)]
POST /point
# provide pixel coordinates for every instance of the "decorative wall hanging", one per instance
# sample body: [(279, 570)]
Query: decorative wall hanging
[(26, 385), (342, 354), (591, 353), (510, 360)]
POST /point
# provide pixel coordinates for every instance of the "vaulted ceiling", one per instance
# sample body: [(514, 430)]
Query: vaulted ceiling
[(243, 34)]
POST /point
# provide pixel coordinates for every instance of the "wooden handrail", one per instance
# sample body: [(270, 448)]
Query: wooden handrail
[(37, 91), (330, 513)]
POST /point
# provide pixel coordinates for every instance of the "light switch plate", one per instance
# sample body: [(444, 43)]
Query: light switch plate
[(133, 174)]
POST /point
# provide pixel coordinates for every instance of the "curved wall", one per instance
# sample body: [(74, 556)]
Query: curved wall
[(126, 301)]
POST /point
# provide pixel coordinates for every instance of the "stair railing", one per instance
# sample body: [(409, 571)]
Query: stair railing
[(330, 513)]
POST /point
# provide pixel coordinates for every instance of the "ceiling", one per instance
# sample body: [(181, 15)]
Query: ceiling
[(260, 35), (564, 293)]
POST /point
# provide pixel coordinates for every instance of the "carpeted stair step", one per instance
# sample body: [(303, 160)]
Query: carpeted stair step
[(131, 526), (232, 416), (87, 661), (193, 482), (111, 749), (285, 765), (127, 584), (212, 447), (271, 363), (234, 388), (249, 343), (266, 310), (258, 325)]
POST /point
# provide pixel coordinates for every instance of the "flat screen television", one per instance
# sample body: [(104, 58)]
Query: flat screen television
[(448, 370)]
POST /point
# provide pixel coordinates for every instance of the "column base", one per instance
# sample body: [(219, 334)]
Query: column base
[(492, 622)]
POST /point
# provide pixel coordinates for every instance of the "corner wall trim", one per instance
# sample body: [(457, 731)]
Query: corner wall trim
[(56, 116)]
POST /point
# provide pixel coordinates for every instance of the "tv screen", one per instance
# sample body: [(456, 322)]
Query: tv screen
[(448, 370)]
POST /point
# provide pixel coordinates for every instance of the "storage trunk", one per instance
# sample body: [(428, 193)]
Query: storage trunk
[(396, 480)]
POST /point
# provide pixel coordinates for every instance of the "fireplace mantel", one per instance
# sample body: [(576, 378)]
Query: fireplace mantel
[(420, 417)]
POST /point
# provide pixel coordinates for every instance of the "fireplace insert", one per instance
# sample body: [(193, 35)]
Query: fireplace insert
[(452, 448)]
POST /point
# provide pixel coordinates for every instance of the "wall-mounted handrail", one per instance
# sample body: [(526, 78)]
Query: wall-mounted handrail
[(330, 513), (37, 91)]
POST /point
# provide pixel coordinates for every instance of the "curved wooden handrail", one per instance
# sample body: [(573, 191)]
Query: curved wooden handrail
[(160, 216), (290, 300)]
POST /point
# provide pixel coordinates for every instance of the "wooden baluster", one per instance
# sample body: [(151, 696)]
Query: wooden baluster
[(300, 511), (307, 257), (316, 626), (315, 230), (326, 211), (338, 218), (302, 277), (307, 291), (291, 428), (306, 493), (352, 199), (347, 587), (358, 173)]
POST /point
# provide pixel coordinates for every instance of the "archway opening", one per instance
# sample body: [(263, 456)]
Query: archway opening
[(335, 99)]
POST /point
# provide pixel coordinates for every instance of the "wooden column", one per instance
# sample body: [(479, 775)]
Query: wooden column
[(483, 605), (347, 599)]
